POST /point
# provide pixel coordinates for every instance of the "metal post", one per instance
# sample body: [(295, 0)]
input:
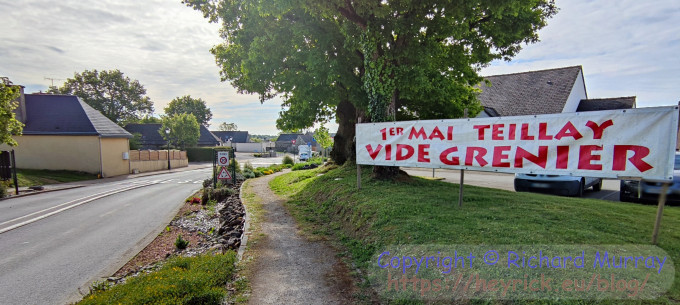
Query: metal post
[(214, 157), (462, 173), (433, 173), (659, 213), (14, 171), (233, 169), (358, 166)]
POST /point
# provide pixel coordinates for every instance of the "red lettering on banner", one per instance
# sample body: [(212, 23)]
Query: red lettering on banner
[(621, 154), (436, 134), (497, 132), (542, 132), (373, 153), (541, 159), (400, 152), (568, 131), (476, 153), (599, 129), (500, 156), (480, 130), (419, 133), (511, 133), (586, 157), (384, 133), (388, 152), (449, 134), (444, 156), (525, 133), (423, 155), (562, 161)]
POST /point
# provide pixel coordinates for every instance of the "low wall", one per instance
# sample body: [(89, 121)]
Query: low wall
[(154, 160)]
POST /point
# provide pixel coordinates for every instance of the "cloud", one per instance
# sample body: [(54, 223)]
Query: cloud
[(625, 47)]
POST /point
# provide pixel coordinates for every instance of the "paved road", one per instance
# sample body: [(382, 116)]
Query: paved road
[(53, 244), (610, 188)]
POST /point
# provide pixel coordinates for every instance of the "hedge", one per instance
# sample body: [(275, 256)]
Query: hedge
[(202, 154)]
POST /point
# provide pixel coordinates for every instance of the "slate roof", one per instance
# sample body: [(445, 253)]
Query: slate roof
[(528, 93), (208, 138), (627, 102), (237, 136), (149, 132), (151, 136), (287, 137), (67, 115)]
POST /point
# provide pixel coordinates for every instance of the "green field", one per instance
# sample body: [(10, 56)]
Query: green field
[(412, 210)]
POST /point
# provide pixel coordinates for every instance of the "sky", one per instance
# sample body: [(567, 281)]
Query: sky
[(626, 48)]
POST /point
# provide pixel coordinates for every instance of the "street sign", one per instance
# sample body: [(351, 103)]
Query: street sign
[(223, 158), (224, 174)]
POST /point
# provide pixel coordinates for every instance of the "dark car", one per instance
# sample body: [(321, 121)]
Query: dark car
[(649, 191), (556, 184)]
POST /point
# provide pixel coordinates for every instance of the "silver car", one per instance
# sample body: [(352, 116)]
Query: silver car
[(556, 184)]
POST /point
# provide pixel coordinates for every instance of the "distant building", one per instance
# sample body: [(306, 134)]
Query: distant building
[(235, 136), (152, 139), (62, 132)]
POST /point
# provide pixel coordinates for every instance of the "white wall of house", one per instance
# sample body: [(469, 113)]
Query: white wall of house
[(578, 93), (252, 147)]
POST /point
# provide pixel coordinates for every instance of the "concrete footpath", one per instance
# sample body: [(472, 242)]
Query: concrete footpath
[(25, 191)]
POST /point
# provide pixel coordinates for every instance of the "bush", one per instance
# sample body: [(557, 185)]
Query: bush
[(3, 188), (180, 243), (248, 165), (207, 182), (219, 194), (288, 160), (234, 164)]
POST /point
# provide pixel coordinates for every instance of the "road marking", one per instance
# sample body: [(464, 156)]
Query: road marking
[(73, 204)]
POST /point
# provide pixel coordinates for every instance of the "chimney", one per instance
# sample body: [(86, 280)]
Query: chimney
[(20, 111)]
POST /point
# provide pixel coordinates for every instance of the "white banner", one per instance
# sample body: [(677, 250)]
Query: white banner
[(632, 143)]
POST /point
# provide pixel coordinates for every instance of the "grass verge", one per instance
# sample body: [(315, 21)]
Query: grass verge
[(181, 280), (417, 211), (31, 177)]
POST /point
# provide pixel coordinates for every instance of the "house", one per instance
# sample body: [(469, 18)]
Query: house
[(548, 91), (290, 141), (62, 132), (235, 136), (152, 139), (287, 142)]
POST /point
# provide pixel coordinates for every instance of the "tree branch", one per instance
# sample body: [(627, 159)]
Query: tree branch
[(351, 15)]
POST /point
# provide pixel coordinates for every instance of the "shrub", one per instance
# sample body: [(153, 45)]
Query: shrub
[(248, 175), (288, 160), (180, 243), (248, 165), (3, 188), (207, 182), (258, 173), (234, 164), (218, 195)]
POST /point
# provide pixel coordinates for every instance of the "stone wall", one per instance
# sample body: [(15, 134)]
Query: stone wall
[(154, 160)]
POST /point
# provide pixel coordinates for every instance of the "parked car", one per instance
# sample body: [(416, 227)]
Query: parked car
[(556, 184), (304, 152), (648, 191)]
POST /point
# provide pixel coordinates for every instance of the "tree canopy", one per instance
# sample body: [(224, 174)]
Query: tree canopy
[(195, 106), (115, 95), (323, 137), (375, 61), (227, 127), (184, 130), (9, 125)]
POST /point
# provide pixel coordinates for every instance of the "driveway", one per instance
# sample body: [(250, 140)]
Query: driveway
[(610, 188)]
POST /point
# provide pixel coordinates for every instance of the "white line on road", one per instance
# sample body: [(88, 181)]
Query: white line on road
[(74, 203)]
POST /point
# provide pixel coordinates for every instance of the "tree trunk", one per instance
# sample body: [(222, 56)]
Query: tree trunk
[(388, 172), (344, 146)]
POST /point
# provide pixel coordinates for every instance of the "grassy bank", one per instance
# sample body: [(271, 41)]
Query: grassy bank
[(182, 280), (418, 211), (31, 177)]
